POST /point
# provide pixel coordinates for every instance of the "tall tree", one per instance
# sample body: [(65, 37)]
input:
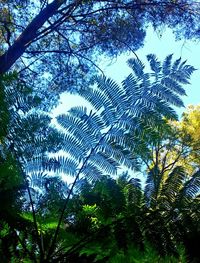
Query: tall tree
[(174, 143)]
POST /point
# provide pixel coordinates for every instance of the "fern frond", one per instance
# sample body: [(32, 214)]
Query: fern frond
[(113, 92), (166, 95), (108, 116), (37, 179), (191, 188), (78, 111), (166, 110), (136, 182), (154, 63), (105, 163), (182, 74), (74, 147), (78, 128), (36, 164), (173, 86), (153, 186), (107, 136), (131, 88), (64, 165), (92, 122), (172, 186), (95, 97), (176, 64), (92, 172), (149, 188), (166, 66), (137, 66), (120, 156)]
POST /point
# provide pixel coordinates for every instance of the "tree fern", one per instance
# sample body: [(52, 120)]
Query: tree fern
[(97, 138), (153, 187), (98, 141), (172, 187), (154, 63), (28, 135), (190, 189)]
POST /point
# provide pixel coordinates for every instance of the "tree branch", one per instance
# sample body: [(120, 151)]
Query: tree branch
[(28, 35)]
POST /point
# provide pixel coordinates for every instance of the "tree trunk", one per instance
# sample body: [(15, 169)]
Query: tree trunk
[(27, 36)]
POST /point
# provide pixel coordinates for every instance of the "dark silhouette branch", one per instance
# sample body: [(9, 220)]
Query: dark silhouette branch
[(33, 32), (70, 192), (28, 35)]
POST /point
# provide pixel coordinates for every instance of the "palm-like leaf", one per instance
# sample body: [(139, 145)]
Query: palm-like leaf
[(97, 139), (172, 187), (190, 189)]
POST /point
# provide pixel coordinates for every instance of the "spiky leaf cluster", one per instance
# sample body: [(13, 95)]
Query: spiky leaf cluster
[(25, 132), (98, 141)]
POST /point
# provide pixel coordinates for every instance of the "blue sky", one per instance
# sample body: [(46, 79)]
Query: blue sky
[(161, 44), (161, 47)]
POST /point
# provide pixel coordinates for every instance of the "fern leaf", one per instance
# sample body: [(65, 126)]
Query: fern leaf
[(113, 92), (137, 66), (105, 163), (65, 165), (154, 63), (176, 64), (92, 172), (173, 185), (173, 86), (108, 136), (166, 67), (192, 186)]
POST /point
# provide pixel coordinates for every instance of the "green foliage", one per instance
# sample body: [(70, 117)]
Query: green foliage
[(105, 219), (4, 230), (122, 235), (10, 176), (134, 255), (18, 145)]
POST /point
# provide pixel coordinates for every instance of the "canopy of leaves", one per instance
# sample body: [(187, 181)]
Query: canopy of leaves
[(190, 124), (174, 143), (72, 35)]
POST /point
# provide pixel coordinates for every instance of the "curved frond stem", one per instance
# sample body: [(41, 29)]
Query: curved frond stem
[(35, 220), (69, 194), (33, 212), (31, 203), (90, 61), (129, 47)]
